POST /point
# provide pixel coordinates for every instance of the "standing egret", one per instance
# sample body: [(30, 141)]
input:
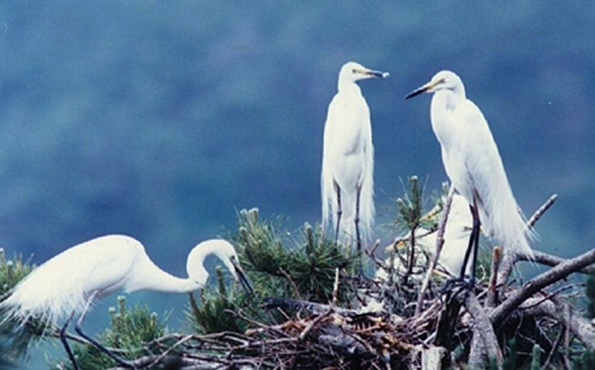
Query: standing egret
[(348, 158), (473, 164), (67, 284)]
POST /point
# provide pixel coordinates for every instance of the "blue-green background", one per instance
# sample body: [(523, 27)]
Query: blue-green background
[(161, 119)]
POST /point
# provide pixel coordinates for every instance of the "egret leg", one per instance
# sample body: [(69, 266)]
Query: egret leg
[(463, 281), (65, 342), (99, 346), (339, 211), (357, 235), (473, 245)]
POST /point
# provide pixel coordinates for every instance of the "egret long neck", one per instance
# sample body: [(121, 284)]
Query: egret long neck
[(444, 103), (153, 278), (347, 86)]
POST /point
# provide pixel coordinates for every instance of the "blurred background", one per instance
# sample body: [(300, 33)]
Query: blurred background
[(162, 119)]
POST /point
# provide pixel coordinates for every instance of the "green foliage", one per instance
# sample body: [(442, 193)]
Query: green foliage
[(215, 313), (586, 361), (130, 334), (14, 338), (410, 207), (12, 271), (282, 266)]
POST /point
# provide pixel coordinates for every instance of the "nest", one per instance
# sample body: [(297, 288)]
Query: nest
[(404, 322)]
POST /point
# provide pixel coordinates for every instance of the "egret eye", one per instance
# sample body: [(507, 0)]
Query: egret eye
[(354, 71)]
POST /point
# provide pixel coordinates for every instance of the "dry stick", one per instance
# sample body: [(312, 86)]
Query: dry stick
[(555, 346), (551, 260), (541, 281), (169, 350), (335, 289), (537, 215), (483, 329), (511, 258), (439, 245), (328, 312), (407, 236), (492, 297)]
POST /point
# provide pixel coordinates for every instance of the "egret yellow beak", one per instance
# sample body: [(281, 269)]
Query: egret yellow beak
[(378, 74), (420, 90)]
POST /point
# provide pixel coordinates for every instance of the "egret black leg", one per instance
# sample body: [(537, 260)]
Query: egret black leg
[(65, 343), (99, 346), (339, 211), (463, 281), (357, 234), (475, 230)]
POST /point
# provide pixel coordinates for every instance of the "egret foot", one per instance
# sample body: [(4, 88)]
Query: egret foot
[(456, 285)]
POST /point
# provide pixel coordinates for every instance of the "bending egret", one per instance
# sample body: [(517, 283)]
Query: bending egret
[(473, 164), (456, 238), (348, 158), (67, 284)]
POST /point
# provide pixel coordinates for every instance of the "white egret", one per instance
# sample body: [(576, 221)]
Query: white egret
[(348, 158), (456, 238), (473, 164), (67, 284)]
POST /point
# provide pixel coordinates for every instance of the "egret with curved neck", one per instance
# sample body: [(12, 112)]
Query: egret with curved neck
[(67, 284)]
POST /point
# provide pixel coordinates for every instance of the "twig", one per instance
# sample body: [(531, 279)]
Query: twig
[(537, 215), (511, 258), (492, 295), (314, 322), (169, 350), (555, 346), (541, 281), (405, 238), (335, 289), (439, 245), (295, 288), (551, 260)]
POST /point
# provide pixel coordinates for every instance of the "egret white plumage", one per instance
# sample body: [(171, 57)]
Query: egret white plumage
[(473, 164), (348, 158), (67, 284), (456, 238)]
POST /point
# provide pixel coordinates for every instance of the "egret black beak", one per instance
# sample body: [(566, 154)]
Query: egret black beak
[(242, 279), (419, 91), (377, 74)]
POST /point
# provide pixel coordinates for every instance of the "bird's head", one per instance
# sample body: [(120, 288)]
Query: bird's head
[(443, 80), (225, 252), (353, 71)]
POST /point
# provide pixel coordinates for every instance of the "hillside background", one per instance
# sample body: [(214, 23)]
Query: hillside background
[(161, 119)]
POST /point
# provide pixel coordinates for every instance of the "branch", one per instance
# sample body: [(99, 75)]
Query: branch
[(537, 215), (439, 245), (492, 296), (483, 327), (552, 260), (558, 310), (541, 281), (511, 258)]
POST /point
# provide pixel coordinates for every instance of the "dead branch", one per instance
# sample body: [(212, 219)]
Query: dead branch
[(541, 281), (558, 309), (492, 295), (483, 328), (439, 245), (537, 215)]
